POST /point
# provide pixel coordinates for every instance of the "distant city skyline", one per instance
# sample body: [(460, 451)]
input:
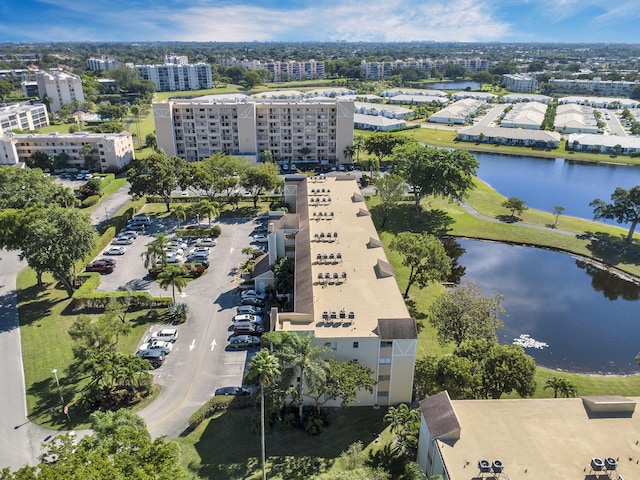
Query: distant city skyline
[(566, 21)]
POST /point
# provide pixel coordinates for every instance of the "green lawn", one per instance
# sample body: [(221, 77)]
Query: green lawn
[(225, 448)]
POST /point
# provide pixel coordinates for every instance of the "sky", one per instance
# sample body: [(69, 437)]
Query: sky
[(564, 21)]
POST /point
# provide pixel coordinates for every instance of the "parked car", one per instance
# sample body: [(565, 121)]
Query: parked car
[(253, 301), (246, 317), (173, 250), (202, 251), (155, 357), (115, 251), (162, 345), (261, 228), (166, 334), (253, 294), (247, 328), (177, 243), (174, 258), (206, 242), (198, 258), (260, 238), (141, 219), (249, 310), (122, 241), (109, 260), (137, 227), (232, 391), (128, 234), (100, 266), (244, 341)]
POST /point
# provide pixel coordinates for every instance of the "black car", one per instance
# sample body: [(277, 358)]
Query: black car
[(154, 357), (233, 391), (253, 301), (244, 341)]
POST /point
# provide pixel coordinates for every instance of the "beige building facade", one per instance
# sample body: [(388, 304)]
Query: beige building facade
[(61, 88), (345, 293), (305, 130), (113, 150), (23, 117)]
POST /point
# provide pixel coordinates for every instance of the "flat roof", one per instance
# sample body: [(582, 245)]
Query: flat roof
[(369, 296), (551, 438)]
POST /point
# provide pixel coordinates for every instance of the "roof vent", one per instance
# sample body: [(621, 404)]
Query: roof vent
[(597, 464), (610, 463), (497, 466), (484, 466)]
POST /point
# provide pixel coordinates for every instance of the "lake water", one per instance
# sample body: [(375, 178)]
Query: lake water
[(589, 319), (453, 85), (543, 183)]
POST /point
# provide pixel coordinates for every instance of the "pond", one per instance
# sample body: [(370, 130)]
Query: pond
[(453, 85), (544, 183), (582, 319)]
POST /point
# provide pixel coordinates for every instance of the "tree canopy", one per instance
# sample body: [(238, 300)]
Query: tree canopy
[(624, 208), (425, 256), (465, 313), (156, 175), (260, 178), (391, 189)]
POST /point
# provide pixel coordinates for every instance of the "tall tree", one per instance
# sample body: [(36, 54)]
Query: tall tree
[(263, 367), (405, 424), (624, 208), (261, 178), (56, 240), (339, 380), (208, 209), (156, 175), (89, 152), (382, 144), (175, 277), (425, 256), (391, 189), (464, 313), (156, 252), (514, 204), (435, 171), (179, 213)]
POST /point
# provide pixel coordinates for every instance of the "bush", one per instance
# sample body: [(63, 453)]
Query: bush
[(218, 404), (90, 201), (216, 231)]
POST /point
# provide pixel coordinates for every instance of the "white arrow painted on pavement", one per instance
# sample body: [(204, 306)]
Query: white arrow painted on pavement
[(193, 344), (231, 250), (213, 344)]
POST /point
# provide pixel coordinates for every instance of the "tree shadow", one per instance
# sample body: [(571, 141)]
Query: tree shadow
[(610, 285), (389, 459), (508, 218), (403, 218), (612, 249)]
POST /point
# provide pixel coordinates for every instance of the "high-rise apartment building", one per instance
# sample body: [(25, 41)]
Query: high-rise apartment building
[(102, 63), (60, 88), (306, 130), (171, 77), (520, 82), (23, 117)]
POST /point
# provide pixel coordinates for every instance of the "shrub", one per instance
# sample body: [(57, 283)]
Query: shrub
[(178, 312), (218, 404), (216, 231), (90, 201)]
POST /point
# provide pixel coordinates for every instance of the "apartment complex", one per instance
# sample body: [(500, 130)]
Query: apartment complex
[(113, 151), (520, 82), (292, 129), (282, 71), (23, 117), (380, 70), (597, 86), (102, 63), (174, 75), (345, 292), (60, 88)]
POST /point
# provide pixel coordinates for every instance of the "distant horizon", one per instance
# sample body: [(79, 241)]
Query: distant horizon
[(302, 21)]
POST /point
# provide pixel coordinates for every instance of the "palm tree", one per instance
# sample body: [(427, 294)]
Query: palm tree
[(348, 152), (156, 251), (210, 209), (264, 367), (88, 151), (135, 111), (178, 213), (298, 354), (561, 386), (174, 276), (358, 146)]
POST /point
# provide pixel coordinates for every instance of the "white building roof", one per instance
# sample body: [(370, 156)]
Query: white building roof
[(408, 99), (377, 121), (279, 94), (362, 97), (599, 101), (478, 95), (607, 141), (412, 91), (384, 109), (575, 117), (330, 92), (525, 115), (457, 111), (525, 97), (512, 133)]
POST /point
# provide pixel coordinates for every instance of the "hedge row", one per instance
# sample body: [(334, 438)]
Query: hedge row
[(219, 404), (223, 199), (85, 297)]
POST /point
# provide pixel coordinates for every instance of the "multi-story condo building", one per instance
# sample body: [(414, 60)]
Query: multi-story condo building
[(23, 117), (345, 291), (176, 59), (520, 82), (102, 63), (311, 129), (171, 77), (380, 70), (597, 86), (113, 151), (60, 88), (282, 71)]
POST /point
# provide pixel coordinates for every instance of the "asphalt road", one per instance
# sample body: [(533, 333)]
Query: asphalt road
[(20, 440)]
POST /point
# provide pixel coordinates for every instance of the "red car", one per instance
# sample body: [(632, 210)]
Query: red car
[(100, 266)]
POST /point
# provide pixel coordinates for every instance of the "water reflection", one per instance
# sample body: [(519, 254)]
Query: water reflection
[(590, 322)]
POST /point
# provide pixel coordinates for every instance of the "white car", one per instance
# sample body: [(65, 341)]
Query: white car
[(206, 242), (200, 251), (173, 250), (248, 318), (115, 251), (260, 238), (174, 258), (166, 334), (123, 240), (162, 345)]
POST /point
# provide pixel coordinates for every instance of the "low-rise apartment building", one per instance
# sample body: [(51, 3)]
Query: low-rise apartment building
[(345, 293), (520, 82), (597, 86), (380, 70), (282, 71), (292, 129), (113, 151), (23, 116)]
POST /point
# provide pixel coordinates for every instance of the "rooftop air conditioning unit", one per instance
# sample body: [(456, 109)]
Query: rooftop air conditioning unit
[(497, 466), (484, 466), (610, 463)]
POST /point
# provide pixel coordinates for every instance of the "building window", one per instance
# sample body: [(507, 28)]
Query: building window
[(355, 345), (385, 361), (386, 344), (332, 345), (384, 378)]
